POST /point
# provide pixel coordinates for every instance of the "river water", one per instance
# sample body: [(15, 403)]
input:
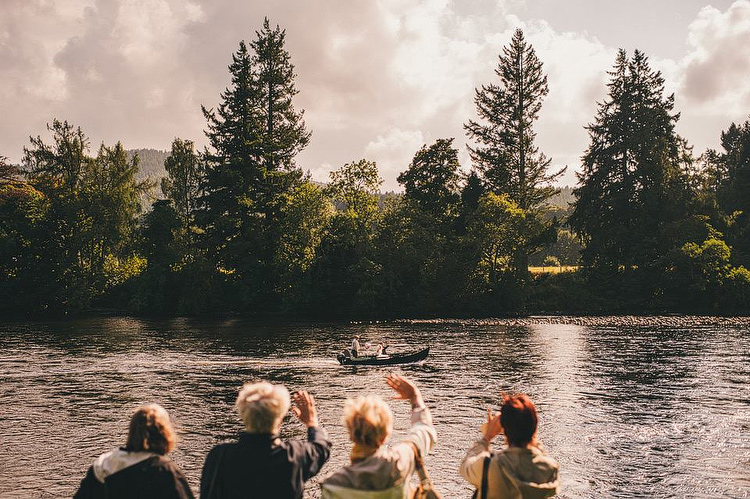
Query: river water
[(642, 411)]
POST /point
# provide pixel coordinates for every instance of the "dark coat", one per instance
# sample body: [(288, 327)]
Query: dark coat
[(261, 466), (155, 477)]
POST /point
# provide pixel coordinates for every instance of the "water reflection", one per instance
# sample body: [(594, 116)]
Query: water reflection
[(628, 413)]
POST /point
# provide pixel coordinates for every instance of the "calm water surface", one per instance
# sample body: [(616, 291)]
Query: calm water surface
[(636, 412)]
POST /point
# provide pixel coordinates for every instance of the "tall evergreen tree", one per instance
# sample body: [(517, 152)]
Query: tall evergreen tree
[(633, 190), (505, 154), (254, 134)]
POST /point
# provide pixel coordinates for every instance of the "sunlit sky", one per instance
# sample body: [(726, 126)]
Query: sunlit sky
[(377, 79)]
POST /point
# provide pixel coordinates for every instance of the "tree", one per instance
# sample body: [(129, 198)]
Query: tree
[(506, 155), (8, 172), (254, 135), (344, 271), (499, 230), (633, 192), (432, 179), (182, 185), (354, 188), (88, 228), (727, 180)]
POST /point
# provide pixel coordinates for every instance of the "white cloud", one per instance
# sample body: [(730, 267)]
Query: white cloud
[(393, 152), (376, 79), (716, 72)]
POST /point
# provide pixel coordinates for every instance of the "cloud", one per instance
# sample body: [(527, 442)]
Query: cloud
[(716, 69), (394, 152), (376, 79)]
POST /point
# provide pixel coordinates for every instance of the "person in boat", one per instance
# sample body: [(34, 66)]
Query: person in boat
[(355, 347), (521, 470), (379, 350), (141, 468), (377, 470), (259, 464)]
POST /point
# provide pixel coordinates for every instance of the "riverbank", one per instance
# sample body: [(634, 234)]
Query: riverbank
[(681, 321)]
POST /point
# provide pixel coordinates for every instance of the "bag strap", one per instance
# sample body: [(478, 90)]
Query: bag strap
[(424, 478), (485, 476)]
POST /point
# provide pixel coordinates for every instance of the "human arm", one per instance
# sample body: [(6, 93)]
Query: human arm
[(472, 465), (422, 432), (317, 449)]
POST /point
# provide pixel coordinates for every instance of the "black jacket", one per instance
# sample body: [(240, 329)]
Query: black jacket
[(261, 466), (155, 477)]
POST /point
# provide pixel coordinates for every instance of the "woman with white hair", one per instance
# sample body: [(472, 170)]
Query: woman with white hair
[(141, 468), (259, 464), (378, 471)]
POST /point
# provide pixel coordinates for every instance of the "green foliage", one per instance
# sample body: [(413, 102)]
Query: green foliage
[(250, 174), (725, 186), (89, 220), (432, 179), (242, 230), (633, 191), (185, 173), (506, 155)]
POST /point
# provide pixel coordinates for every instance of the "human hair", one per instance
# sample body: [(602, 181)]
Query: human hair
[(151, 430), (369, 420), (262, 406), (518, 418)]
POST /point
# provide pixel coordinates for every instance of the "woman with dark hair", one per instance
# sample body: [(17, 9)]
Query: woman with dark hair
[(521, 470), (141, 468)]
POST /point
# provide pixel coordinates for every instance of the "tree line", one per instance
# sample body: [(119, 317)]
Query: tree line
[(241, 228)]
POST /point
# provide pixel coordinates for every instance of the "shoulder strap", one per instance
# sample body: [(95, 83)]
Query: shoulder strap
[(485, 476), (419, 464)]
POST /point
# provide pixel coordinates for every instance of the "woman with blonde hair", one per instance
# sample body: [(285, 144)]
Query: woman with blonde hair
[(140, 468), (378, 471), (259, 464)]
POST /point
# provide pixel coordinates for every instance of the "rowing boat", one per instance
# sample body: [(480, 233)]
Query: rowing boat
[(383, 360)]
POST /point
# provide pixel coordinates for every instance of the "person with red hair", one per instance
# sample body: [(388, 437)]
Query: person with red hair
[(521, 470)]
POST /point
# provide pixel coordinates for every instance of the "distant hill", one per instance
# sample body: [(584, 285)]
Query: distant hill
[(151, 162), (564, 198)]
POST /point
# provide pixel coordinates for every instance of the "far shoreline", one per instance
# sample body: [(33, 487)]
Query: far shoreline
[(676, 320)]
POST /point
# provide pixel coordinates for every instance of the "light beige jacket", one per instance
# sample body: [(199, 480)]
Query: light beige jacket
[(385, 474), (514, 473)]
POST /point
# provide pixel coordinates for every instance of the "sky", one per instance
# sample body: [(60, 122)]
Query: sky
[(377, 79)]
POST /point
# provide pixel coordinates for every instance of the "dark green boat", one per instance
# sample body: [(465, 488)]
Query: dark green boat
[(383, 360)]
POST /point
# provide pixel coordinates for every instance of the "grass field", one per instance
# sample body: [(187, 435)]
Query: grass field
[(553, 269)]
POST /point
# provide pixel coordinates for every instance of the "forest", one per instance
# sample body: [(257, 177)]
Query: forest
[(238, 228)]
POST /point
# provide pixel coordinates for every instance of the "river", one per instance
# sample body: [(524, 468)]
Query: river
[(628, 411)]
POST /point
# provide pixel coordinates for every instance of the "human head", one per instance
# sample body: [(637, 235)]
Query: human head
[(519, 420), (369, 420), (262, 406), (151, 430)]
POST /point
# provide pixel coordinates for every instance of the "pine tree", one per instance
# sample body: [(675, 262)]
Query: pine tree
[(505, 155), (633, 190), (254, 136)]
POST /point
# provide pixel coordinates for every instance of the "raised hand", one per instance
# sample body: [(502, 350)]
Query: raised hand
[(492, 427), (405, 389), (304, 408)]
